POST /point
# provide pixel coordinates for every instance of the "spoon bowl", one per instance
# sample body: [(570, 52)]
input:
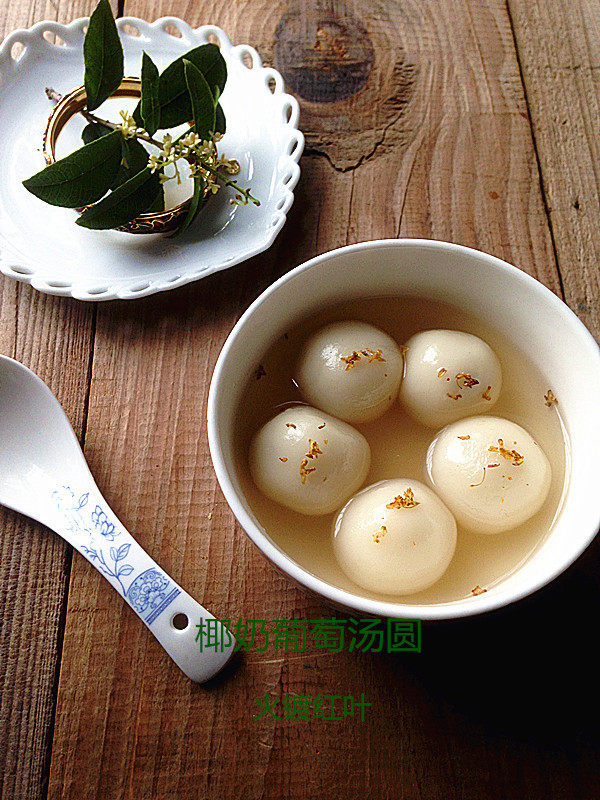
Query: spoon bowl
[(37, 444)]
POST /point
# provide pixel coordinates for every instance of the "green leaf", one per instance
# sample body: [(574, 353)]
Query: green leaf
[(102, 56), (81, 177), (149, 104), (158, 204), (203, 107), (173, 96), (196, 204), (123, 204), (93, 131), (134, 159), (220, 124), (134, 156)]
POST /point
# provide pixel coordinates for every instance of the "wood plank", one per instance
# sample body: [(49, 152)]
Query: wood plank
[(445, 151), (559, 53), (53, 337)]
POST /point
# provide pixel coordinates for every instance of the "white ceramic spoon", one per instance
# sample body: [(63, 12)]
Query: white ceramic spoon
[(44, 475)]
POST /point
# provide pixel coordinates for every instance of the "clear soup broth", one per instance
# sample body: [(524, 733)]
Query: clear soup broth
[(399, 446)]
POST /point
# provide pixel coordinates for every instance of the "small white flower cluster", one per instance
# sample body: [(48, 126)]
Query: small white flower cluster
[(128, 127), (201, 155)]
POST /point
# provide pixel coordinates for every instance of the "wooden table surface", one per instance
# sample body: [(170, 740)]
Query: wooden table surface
[(473, 121)]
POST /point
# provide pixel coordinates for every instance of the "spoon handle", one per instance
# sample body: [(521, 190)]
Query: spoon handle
[(197, 642)]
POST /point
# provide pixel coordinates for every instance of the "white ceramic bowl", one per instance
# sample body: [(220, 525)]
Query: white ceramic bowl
[(542, 325)]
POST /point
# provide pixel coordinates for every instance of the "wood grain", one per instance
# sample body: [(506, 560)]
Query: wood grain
[(559, 53), (54, 338), (447, 153), (417, 125)]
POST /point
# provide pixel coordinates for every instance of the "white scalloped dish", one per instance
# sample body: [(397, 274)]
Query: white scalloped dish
[(41, 245)]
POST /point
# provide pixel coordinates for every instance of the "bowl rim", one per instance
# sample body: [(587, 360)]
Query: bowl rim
[(385, 608)]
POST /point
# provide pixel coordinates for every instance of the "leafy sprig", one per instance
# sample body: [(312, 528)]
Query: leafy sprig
[(113, 177)]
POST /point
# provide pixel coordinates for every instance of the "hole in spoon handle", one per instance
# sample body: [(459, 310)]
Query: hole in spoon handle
[(198, 643)]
